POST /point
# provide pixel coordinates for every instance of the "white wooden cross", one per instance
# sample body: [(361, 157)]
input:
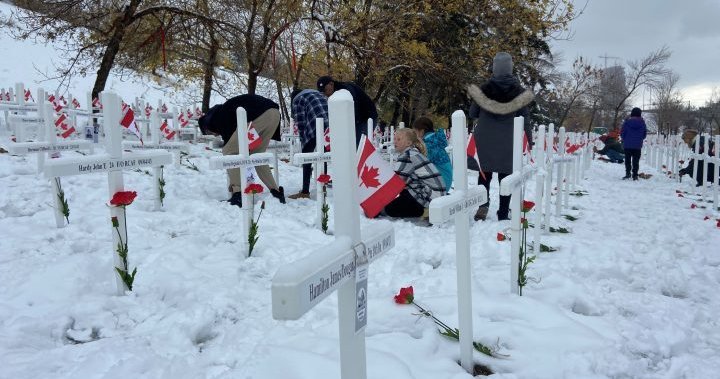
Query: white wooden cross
[(457, 206), (318, 160), (276, 147), (113, 163), (342, 265), (243, 160), (513, 185)]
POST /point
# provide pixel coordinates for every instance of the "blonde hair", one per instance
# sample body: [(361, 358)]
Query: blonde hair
[(414, 140)]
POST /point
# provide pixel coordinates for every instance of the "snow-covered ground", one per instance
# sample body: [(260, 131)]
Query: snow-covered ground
[(630, 293)]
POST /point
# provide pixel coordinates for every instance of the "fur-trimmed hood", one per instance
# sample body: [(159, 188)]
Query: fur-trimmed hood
[(496, 107)]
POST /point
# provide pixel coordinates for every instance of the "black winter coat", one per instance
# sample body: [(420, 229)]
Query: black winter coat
[(222, 119)]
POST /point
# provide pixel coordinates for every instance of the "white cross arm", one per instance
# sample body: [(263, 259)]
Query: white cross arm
[(174, 146), (104, 163), (303, 158), (563, 159), (236, 161), (444, 208), (22, 148), (298, 287), (516, 178), (82, 112), (278, 147), (25, 120)]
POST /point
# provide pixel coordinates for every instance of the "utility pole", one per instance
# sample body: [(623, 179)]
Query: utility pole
[(606, 57)]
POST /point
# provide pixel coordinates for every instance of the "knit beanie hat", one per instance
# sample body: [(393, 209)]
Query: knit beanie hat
[(502, 64), (636, 112)]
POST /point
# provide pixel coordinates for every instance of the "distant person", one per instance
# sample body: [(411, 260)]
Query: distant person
[(499, 101), (363, 104), (633, 134), (423, 182), (612, 149), (691, 138), (435, 142), (306, 106), (265, 117)]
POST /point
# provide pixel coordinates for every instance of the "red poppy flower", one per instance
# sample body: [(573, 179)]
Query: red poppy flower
[(693, 206), (123, 198), (678, 191), (253, 188), (680, 195), (501, 237), (527, 205), (706, 218), (405, 296), (718, 224), (324, 178)]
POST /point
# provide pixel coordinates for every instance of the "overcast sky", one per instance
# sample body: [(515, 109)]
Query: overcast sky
[(630, 29)]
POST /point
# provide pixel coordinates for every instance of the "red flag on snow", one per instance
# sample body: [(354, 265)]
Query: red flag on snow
[(148, 110), (28, 95), (472, 153), (254, 139), (164, 108), (96, 103), (183, 121), (378, 182), (75, 103), (128, 121)]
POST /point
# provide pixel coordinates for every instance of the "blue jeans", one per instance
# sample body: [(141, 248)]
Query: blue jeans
[(615, 156)]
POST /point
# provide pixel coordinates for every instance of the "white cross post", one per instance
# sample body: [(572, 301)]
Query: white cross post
[(457, 206), (276, 147), (242, 161), (113, 163), (513, 185), (559, 198), (342, 265), (539, 186), (318, 158), (549, 166)]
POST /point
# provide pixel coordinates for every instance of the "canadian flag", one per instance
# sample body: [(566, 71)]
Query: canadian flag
[(189, 113), (65, 129), (75, 103), (28, 95), (472, 153), (526, 148), (254, 139), (378, 183), (128, 121), (148, 110), (55, 103), (169, 134), (7, 96), (183, 121), (62, 99), (163, 109), (198, 112), (327, 139), (296, 132), (96, 103), (570, 148)]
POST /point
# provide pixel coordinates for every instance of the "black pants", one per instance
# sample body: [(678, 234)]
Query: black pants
[(632, 162), (404, 206), (307, 168), (504, 200)]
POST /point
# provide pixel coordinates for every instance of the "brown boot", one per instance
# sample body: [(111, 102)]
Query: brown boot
[(300, 195), (481, 213)]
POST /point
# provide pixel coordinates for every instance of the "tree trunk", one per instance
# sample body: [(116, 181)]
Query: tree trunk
[(252, 80), (208, 72), (113, 47)]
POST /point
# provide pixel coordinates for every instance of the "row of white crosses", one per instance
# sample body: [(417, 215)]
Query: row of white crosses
[(318, 159), (342, 265), (707, 159)]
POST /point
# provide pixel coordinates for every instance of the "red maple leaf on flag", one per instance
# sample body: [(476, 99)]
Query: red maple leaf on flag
[(251, 136), (369, 177)]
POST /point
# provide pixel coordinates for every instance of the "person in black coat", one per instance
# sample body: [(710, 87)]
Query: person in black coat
[(221, 120), (691, 138), (497, 102), (363, 104)]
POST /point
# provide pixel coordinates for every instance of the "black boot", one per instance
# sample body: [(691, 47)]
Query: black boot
[(236, 199), (279, 194), (503, 212), (627, 176)]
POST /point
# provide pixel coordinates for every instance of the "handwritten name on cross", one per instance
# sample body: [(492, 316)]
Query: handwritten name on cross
[(299, 286), (456, 206), (113, 163)]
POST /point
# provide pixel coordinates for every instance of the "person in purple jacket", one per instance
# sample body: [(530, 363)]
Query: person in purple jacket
[(633, 134)]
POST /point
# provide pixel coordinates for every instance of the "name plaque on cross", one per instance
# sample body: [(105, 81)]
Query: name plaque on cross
[(155, 146), (235, 161), (279, 147), (21, 148), (299, 287), (25, 119), (305, 158), (21, 108), (89, 165), (444, 208)]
